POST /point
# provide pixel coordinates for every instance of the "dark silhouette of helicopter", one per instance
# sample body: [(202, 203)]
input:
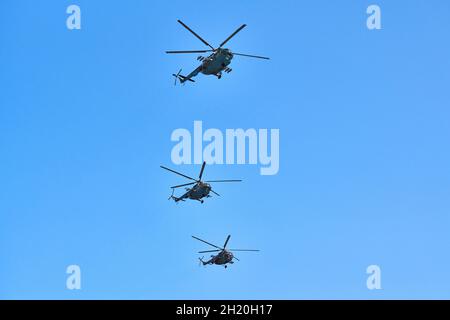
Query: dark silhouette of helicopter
[(224, 256), (199, 190), (216, 62)]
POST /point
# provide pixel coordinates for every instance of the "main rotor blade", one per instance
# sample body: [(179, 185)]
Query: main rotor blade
[(226, 241), (183, 185), (189, 51), (250, 56), (201, 171), (190, 178), (206, 251), (213, 245), (236, 258), (215, 192), (232, 35), (192, 31), (224, 181), (254, 250)]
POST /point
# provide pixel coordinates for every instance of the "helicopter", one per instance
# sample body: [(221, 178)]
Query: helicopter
[(224, 256), (214, 64), (199, 190)]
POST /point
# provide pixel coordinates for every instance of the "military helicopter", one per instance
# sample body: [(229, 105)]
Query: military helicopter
[(224, 257), (216, 62), (200, 188)]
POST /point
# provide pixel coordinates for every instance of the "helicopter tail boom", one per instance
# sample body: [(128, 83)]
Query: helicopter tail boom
[(176, 199), (181, 78), (203, 262)]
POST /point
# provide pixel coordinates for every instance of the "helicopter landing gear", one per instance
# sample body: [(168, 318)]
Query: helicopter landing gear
[(219, 75), (226, 266), (228, 70)]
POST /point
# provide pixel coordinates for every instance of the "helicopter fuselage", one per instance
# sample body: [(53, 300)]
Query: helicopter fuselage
[(223, 258), (199, 191), (216, 62)]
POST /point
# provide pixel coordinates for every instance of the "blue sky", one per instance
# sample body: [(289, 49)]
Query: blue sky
[(86, 118)]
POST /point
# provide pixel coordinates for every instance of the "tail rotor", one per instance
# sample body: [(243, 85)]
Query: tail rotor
[(171, 197), (182, 79), (177, 77)]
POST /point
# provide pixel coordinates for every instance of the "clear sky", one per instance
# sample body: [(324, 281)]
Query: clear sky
[(86, 118)]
